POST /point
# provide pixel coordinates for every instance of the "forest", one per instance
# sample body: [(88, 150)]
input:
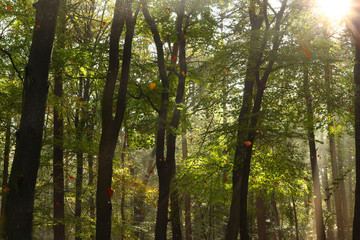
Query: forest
[(180, 119)]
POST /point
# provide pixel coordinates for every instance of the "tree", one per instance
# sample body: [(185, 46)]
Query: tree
[(249, 113), (111, 124), (20, 197)]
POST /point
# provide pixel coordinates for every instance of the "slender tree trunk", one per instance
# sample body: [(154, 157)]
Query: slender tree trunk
[(295, 219), (261, 216), (319, 222), (187, 198), (111, 124), (20, 197), (78, 194), (276, 218), (330, 228), (5, 174), (58, 152), (344, 205)]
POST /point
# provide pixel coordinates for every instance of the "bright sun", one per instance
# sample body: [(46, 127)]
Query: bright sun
[(334, 9)]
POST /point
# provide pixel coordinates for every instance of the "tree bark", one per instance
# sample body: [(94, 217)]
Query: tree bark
[(187, 197), (20, 197), (111, 124), (261, 217), (5, 174), (276, 218), (319, 222)]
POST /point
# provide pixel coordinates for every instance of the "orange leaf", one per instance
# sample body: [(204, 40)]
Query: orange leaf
[(38, 25), (110, 191), (6, 189), (103, 23), (308, 54), (303, 48), (71, 177), (276, 184), (152, 86), (309, 201), (224, 70), (175, 57), (8, 8), (183, 73), (247, 143)]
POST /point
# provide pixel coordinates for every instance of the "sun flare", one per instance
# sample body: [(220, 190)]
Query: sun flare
[(334, 9)]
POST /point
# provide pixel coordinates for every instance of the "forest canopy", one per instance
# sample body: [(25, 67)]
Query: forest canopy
[(180, 119)]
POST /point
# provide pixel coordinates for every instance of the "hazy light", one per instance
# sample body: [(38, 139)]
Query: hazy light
[(334, 9)]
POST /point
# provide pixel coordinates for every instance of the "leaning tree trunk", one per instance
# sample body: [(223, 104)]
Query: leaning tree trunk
[(20, 197), (111, 125), (320, 229)]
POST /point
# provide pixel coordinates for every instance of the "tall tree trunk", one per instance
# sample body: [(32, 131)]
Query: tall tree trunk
[(295, 218), (319, 222), (187, 197), (5, 174), (330, 228), (261, 216), (356, 32), (20, 197), (248, 118), (111, 124), (58, 152), (276, 218), (343, 201)]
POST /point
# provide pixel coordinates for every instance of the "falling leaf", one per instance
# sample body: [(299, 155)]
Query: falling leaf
[(276, 184), (247, 143), (183, 73), (303, 48), (185, 36), (110, 191), (251, 9), (195, 5), (206, 185), (152, 86), (175, 57), (318, 155), (191, 139), (6, 189), (71, 177), (308, 54), (38, 25), (71, 60), (151, 171), (9, 8), (57, 204), (160, 160), (224, 70), (141, 5), (103, 23), (345, 165), (167, 9), (309, 201), (350, 108)]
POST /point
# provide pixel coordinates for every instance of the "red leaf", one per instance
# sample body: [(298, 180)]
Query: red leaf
[(9, 8), (151, 170), (110, 191), (175, 57), (103, 23), (303, 48), (309, 201), (71, 177), (308, 54), (247, 143)]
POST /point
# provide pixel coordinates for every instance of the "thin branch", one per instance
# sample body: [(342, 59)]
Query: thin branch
[(13, 64)]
